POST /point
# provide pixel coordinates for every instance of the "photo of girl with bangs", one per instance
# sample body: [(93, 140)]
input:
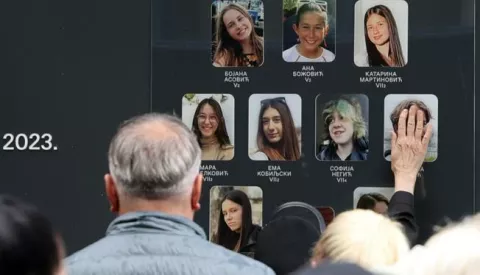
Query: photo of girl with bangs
[(238, 40), (381, 33), (275, 127), (342, 129)]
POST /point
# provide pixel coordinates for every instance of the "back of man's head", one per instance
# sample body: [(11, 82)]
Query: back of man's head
[(154, 156)]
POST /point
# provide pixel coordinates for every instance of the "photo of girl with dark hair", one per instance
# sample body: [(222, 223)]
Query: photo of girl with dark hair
[(384, 41), (235, 217), (312, 27), (274, 128), (209, 123)]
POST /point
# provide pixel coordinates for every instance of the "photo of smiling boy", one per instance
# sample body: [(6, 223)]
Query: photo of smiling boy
[(307, 25), (211, 118), (381, 33), (274, 130), (342, 128)]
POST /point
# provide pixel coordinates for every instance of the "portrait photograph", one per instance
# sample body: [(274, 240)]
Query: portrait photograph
[(342, 127), (309, 31), (395, 103), (211, 117), (381, 33), (274, 127), (236, 216), (237, 33), (376, 199)]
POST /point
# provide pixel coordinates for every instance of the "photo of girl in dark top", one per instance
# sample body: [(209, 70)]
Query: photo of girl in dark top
[(233, 213), (343, 130)]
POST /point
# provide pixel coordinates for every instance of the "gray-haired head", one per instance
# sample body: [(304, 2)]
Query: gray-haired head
[(154, 156)]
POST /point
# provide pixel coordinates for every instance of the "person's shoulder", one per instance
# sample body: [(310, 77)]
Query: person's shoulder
[(247, 265), (361, 59), (286, 54), (258, 156), (228, 152), (329, 55), (220, 59), (234, 262)]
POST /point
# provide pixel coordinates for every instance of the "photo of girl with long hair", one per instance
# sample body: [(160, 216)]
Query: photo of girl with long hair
[(238, 33), (211, 123), (311, 27), (342, 128), (236, 217), (381, 33), (275, 127)]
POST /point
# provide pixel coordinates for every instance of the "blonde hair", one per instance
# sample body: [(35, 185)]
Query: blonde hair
[(362, 237), (454, 250), (346, 107)]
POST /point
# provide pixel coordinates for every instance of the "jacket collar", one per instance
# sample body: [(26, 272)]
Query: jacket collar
[(154, 222)]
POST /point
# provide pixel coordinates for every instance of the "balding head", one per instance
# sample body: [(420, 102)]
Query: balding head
[(154, 156)]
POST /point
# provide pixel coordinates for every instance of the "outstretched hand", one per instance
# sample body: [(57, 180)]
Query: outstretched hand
[(410, 143)]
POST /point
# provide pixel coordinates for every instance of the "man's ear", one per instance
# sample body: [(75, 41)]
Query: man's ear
[(112, 193), (196, 192)]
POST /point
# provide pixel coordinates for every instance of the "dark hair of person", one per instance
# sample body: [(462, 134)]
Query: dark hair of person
[(286, 149), (395, 49), (309, 7), (221, 132), (28, 242), (368, 201), (226, 237)]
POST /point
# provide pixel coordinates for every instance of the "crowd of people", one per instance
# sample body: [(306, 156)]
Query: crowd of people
[(154, 186)]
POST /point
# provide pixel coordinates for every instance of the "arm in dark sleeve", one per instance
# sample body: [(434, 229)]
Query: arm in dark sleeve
[(401, 209)]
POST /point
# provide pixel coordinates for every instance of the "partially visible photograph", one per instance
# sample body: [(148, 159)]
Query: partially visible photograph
[(309, 30), (237, 33), (236, 217), (395, 103), (274, 127), (342, 128), (381, 33), (376, 199), (211, 118)]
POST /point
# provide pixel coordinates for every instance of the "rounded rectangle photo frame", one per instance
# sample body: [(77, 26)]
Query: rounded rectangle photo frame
[(341, 127), (237, 25), (228, 219), (381, 33), (211, 117), (309, 31), (395, 103), (275, 119)]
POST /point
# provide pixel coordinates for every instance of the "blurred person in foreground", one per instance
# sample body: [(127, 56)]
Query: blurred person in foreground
[(454, 250), (28, 243), (409, 147), (154, 186)]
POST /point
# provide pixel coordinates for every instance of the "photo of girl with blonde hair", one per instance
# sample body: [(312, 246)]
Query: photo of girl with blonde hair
[(275, 127), (380, 36), (237, 42), (211, 124), (342, 129), (311, 27)]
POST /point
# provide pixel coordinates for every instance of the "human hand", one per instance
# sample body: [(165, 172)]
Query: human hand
[(409, 145)]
